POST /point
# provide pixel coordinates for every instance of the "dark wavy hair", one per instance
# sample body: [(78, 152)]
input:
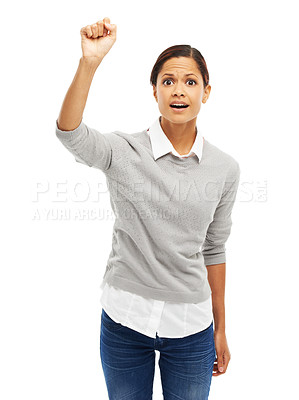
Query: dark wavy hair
[(180, 50)]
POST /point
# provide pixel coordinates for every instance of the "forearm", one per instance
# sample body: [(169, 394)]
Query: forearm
[(216, 277), (72, 109)]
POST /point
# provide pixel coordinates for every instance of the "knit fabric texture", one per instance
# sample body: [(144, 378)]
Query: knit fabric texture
[(173, 215)]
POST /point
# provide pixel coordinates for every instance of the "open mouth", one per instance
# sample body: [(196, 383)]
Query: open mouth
[(179, 106)]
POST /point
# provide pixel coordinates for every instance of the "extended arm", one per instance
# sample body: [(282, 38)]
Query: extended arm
[(214, 252), (216, 277), (75, 99), (88, 145)]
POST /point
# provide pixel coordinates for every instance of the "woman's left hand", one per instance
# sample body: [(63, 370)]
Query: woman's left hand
[(222, 352)]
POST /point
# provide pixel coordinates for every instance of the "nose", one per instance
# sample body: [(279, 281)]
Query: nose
[(177, 89)]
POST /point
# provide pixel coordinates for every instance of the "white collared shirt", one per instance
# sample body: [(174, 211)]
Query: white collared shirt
[(162, 145), (150, 316)]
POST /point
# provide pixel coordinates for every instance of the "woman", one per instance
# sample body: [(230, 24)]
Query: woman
[(172, 193)]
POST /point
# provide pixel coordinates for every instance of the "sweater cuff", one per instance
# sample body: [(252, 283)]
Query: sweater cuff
[(215, 258), (69, 134)]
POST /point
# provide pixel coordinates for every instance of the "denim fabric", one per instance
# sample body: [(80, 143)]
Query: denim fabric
[(128, 362)]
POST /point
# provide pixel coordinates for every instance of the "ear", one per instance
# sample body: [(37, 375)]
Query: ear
[(206, 93), (155, 93)]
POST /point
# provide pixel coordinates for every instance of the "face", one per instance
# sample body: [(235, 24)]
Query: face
[(178, 86)]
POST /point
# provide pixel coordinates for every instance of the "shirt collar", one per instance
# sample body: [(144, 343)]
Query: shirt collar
[(162, 145)]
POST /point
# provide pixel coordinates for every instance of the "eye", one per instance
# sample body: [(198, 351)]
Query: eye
[(170, 80)]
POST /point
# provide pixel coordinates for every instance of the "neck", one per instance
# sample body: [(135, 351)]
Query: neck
[(181, 136)]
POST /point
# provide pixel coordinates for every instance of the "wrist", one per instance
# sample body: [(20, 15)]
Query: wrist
[(219, 331), (91, 62)]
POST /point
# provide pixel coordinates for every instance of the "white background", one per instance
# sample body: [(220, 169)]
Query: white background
[(52, 267)]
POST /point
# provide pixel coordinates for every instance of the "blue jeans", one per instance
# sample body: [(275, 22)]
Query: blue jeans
[(128, 362)]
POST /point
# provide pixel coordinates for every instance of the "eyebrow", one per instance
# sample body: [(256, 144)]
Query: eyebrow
[(185, 75)]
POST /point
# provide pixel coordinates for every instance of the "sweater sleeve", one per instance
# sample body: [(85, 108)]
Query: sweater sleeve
[(213, 250), (87, 145)]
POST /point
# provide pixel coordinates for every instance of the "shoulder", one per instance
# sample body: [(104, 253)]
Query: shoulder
[(221, 159), (128, 145), (122, 137)]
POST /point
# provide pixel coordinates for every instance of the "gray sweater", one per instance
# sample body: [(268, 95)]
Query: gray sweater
[(172, 215)]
